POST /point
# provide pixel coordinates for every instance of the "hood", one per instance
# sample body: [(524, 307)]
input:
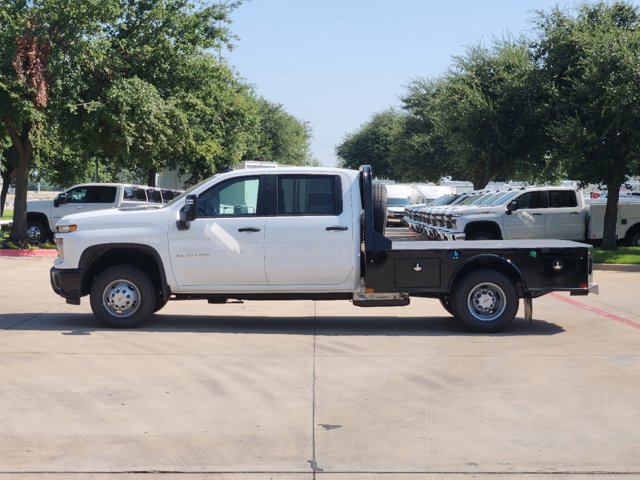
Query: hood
[(118, 218), (33, 205)]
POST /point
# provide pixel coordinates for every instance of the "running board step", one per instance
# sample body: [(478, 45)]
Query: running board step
[(380, 299)]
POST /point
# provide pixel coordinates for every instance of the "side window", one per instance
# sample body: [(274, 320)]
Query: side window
[(92, 194), (129, 193), (309, 195), (138, 194), (562, 198), (77, 195), (154, 195), (532, 200), (233, 198), (101, 194)]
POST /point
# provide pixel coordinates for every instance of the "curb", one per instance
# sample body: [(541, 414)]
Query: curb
[(610, 267), (41, 252)]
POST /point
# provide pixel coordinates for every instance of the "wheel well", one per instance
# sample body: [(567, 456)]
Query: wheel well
[(41, 217), (491, 262), (94, 263), (635, 230), (491, 227)]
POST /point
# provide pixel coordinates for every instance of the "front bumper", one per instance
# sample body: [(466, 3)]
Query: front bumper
[(67, 283)]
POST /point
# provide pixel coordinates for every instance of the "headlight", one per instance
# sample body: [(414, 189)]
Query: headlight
[(66, 228)]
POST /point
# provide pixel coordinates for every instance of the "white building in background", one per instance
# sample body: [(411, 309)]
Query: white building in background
[(425, 192)]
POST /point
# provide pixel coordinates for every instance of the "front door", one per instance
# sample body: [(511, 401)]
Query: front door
[(223, 249), (527, 221)]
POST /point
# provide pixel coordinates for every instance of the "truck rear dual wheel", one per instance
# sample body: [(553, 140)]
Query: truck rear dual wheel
[(123, 297), (485, 301)]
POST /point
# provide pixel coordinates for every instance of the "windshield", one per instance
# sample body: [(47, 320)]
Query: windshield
[(187, 192), (398, 202)]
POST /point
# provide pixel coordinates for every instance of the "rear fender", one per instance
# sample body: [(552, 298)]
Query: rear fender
[(494, 262)]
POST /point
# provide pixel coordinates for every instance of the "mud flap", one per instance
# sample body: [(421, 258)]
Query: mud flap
[(528, 309)]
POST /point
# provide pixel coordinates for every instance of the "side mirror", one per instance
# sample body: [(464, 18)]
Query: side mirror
[(512, 206), (189, 212), (61, 199)]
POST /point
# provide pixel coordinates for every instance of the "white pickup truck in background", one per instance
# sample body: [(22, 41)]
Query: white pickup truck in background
[(542, 212), (42, 215)]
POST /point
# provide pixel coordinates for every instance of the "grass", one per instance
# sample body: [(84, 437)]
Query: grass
[(5, 243), (7, 215), (621, 256)]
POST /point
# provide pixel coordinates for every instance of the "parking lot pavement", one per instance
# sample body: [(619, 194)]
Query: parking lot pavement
[(303, 390)]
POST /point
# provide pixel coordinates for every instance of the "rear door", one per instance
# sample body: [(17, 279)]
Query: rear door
[(309, 238), (565, 218)]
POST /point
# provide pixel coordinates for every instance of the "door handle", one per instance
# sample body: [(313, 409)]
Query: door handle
[(338, 228), (536, 214), (575, 213), (248, 229)]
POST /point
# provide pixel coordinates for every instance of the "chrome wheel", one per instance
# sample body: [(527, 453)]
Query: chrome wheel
[(486, 302), (121, 298)]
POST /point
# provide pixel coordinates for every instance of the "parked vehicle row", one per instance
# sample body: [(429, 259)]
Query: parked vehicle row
[(541, 212)]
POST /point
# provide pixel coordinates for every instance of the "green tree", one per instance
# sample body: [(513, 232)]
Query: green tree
[(489, 113), (280, 137), (109, 77), (481, 121), (40, 44), (419, 153), (590, 63), (372, 144)]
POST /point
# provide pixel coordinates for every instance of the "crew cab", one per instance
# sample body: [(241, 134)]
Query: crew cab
[(297, 233), (42, 215)]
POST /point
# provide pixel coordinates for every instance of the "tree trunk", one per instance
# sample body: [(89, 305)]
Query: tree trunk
[(24, 154), (7, 174), (609, 238), (6, 178), (151, 177)]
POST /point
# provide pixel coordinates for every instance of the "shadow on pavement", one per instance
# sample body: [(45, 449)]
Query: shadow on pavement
[(83, 324)]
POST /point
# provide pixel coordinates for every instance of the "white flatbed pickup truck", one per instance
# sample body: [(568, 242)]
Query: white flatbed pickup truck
[(297, 233)]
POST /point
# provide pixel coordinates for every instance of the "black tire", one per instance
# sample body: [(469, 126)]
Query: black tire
[(446, 304), (379, 196), (633, 238), (122, 297), (485, 301), (481, 234), (37, 231)]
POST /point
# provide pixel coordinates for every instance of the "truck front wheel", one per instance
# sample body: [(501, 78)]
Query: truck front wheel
[(485, 301), (37, 231), (122, 297)]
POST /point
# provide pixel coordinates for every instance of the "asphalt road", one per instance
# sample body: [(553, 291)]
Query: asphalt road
[(304, 390)]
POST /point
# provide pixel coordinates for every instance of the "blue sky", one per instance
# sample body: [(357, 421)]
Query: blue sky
[(334, 63)]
